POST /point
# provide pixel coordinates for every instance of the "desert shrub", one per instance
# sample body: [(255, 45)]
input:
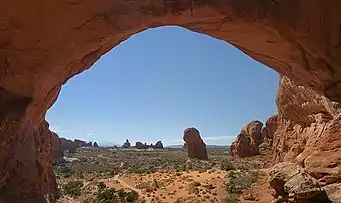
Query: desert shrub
[(248, 166), (155, 184), (73, 188), (63, 171), (106, 196), (232, 198), (110, 195), (101, 186), (237, 183), (132, 196), (226, 165), (193, 187), (178, 200)]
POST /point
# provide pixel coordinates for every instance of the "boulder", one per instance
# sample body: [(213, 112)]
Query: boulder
[(196, 148), (253, 130), (333, 192), (290, 181)]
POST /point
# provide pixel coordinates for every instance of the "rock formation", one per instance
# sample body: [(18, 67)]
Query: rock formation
[(248, 140), (82, 143), (126, 144), (158, 145), (139, 145), (56, 148), (196, 148), (290, 181), (39, 54), (68, 145), (255, 139), (95, 144)]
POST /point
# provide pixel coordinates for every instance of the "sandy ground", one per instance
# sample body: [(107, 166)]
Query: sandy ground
[(173, 186), (260, 192)]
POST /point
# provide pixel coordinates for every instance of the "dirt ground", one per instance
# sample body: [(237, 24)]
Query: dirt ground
[(175, 180), (180, 186)]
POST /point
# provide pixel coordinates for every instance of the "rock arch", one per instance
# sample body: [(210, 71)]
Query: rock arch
[(43, 44)]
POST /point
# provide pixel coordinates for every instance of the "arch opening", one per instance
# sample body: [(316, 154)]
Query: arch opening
[(162, 79)]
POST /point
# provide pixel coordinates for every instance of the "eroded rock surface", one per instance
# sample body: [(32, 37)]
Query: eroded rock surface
[(248, 140), (255, 139), (56, 147), (45, 44), (333, 192), (196, 148), (290, 181)]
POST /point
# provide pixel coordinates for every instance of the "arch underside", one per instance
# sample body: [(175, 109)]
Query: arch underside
[(43, 44)]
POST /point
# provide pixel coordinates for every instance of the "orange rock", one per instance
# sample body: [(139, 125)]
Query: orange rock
[(196, 148), (45, 44)]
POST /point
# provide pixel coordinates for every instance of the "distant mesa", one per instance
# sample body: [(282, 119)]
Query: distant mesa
[(195, 146), (126, 144)]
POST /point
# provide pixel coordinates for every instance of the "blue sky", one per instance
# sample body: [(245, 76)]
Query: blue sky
[(155, 84)]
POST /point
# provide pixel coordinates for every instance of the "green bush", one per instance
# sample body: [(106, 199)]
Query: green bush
[(226, 165), (63, 171), (236, 184), (247, 166), (73, 188), (177, 200), (232, 198)]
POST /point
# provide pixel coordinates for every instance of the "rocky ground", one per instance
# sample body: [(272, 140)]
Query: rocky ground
[(161, 176)]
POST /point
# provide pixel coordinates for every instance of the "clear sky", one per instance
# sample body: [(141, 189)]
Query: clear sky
[(157, 83)]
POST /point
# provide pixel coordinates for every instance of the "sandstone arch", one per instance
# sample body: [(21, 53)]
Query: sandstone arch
[(43, 44)]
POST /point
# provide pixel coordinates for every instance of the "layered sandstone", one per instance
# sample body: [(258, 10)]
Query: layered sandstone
[(196, 148), (45, 44)]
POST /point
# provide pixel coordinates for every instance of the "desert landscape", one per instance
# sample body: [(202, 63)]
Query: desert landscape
[(243, 172), (158, 175), (294, 156)]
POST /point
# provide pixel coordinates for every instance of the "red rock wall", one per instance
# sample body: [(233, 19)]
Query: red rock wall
[(43, 44)]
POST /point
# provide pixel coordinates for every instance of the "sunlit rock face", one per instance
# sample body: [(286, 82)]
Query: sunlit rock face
[(248, 140), (45, 44), (196, 148)]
